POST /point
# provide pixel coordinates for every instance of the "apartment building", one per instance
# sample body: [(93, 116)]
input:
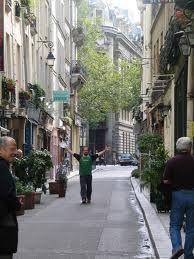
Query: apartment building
[(118, 130), (167, 80), (38, 97)]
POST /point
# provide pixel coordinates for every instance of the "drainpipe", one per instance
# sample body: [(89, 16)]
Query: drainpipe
[(190, 95), (23, 9)]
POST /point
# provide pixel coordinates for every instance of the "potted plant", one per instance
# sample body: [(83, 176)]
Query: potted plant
[(39, 162), (10, 83), (62, 179), (29, 197), (20, 194), (31, 170), (152, 176), (147, 144), (24, 95), (25, 191)]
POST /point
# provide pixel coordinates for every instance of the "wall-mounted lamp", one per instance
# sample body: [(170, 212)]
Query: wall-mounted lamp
[(164, 110), (50, 58)]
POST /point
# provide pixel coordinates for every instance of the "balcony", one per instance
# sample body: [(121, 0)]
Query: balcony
[(78, 35), (30, 19), (8, 92), (78, 73), (17, 11), (169, 53), (8, 96), (8, 4), (33, 29)]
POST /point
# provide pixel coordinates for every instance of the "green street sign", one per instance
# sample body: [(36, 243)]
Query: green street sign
[(61, 96), (158, 1)]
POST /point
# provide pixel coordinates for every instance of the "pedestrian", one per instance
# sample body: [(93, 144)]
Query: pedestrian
[(179, 173), (9, 203), (85, 171)]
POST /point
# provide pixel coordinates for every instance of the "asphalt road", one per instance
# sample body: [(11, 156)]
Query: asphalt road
[(111, 227)]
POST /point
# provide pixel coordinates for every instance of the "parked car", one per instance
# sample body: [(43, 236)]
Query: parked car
[(135, 162), (125, 159)]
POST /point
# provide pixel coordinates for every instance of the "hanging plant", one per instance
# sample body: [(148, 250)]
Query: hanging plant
[(38, 92)]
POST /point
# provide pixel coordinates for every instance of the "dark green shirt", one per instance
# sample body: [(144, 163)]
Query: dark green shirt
[(85, 163)]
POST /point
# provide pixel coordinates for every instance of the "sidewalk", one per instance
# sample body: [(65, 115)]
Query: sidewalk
[(157, 223)]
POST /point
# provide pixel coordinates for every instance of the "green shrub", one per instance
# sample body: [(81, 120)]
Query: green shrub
[(154, 168), (135, 173)]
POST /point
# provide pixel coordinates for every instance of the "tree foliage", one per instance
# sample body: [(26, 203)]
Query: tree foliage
[(109, 87), (148, 142)]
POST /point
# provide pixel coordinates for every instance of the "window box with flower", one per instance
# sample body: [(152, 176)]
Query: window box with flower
[(9, 84), (24, 95)]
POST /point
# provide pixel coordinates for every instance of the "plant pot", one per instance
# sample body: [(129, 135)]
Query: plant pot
[(29, 200), (21, 211), (62, 189), (53, 188), (37, 197)]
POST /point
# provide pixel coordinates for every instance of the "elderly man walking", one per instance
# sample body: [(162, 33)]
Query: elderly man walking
[(179, 173), (9, 203)]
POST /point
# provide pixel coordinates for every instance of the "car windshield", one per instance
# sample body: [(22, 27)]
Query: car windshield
[(126, 156)]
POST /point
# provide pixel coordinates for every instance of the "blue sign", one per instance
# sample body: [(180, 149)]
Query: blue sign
[(61, 96)]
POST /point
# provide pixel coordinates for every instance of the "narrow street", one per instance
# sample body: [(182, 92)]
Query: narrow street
[(112, 226)]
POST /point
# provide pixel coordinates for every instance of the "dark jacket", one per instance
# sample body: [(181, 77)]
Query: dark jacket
[(179, 171), (9, 203)]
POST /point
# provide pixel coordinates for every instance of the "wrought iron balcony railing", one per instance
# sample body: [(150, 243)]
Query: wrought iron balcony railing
[(78, 68), (169, 52), (8, 96)]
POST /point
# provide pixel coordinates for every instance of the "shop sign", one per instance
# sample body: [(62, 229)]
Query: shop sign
[(61, 96), (2, 35)]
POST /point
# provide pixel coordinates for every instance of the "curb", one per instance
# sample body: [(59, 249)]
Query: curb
[(158, 235)]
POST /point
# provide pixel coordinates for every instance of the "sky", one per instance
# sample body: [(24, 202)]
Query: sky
[(131, 5)]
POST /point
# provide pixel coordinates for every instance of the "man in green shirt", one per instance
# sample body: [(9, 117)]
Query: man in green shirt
[(85, 171)]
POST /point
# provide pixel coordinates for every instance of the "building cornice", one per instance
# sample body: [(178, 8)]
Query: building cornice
[(119, 36)]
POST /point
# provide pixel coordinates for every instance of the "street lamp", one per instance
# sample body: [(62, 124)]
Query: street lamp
[(50, 58)]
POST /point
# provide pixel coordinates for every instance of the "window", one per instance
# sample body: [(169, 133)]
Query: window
[(99, 13)]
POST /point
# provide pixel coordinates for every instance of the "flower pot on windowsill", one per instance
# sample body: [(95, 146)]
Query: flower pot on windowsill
[(10, 87)]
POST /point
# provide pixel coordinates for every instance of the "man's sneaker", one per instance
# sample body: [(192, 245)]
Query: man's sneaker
[(88, 200), (177, 253), (83, 201)]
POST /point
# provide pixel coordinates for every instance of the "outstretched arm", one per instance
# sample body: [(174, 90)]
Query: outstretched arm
[(69, 150), (103, 151)]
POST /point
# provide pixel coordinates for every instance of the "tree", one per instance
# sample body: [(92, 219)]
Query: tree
[(109, 87)]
